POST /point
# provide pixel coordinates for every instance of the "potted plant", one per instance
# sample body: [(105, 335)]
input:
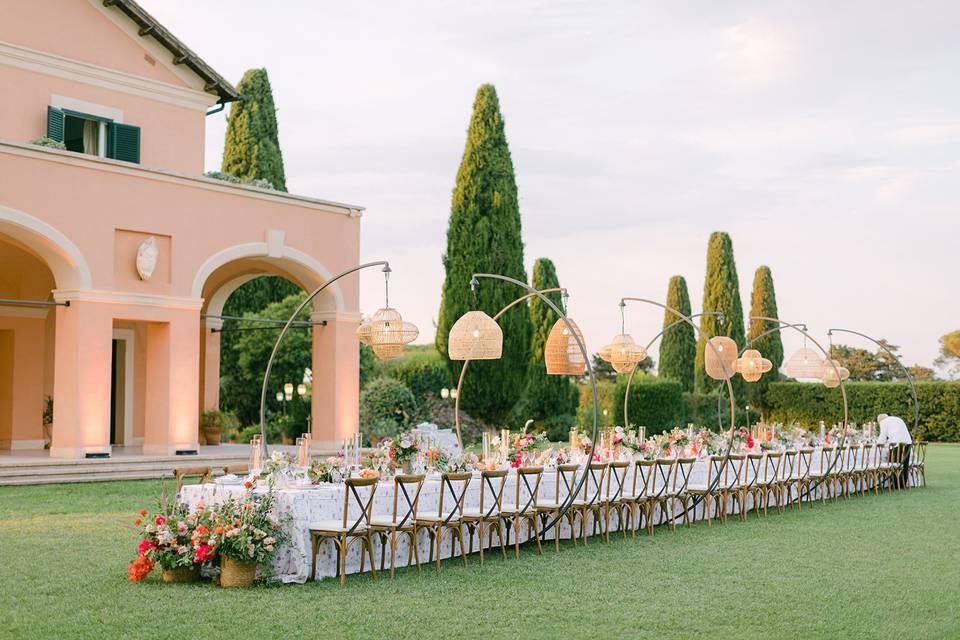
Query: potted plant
[(214, 423), (245, 534), (47, 422)]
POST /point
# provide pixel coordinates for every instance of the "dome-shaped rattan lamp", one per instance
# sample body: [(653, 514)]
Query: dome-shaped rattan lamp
[(623, 353), (561, 353), (719, 361), (832, 376), (804, 363), (751, 365), (475, 336), (387, 333)]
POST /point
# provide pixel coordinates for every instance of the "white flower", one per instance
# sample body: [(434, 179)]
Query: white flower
[(250, 550), (182, 550), (269, 547), (405, 442), (268, 541)]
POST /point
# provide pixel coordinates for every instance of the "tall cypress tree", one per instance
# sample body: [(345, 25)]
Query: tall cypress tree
[(763, 302), (252, 147), (552, 399), (484, 236), (721, 292), (678, 346)]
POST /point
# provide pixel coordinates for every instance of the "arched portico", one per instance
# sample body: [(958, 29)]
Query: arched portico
[(335, 357)]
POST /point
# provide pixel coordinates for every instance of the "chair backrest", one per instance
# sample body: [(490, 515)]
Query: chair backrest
[(237, 469), (528, 487), (895, 454), (789, 464), (404, 485), (771, 466), (361, 490), (684, 468), (616, 479), (827, 457), (804, 462), (492, 484), (593, 484), (716, 468), (567, 477), (643, 478), (663, 472), (866, 453), (733, 473), (204, 473), (919, 454), (753, 469), (456, 485)]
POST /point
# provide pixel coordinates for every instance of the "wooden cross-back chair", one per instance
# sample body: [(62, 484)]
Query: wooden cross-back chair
[(205, 474), (549, 510), (487, 517), (346, 530), (522, 508), (402, 522), (449, 517)]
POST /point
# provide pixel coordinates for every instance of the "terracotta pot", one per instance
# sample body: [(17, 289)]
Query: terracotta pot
[(236, 574), (212, 435), (182, 574)]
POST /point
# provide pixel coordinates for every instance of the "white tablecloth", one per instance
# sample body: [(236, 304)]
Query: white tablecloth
[(325, 502)]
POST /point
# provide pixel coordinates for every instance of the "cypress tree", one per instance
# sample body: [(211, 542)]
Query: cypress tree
[(721, 292), (551, 399), (763, 302), (484, 236), (678, 346), (252, 147)]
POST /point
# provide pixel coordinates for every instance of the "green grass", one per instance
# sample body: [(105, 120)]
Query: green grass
[(870, 567)]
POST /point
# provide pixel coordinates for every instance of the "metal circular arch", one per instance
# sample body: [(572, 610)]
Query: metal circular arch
[(283, 332), (466, 363)]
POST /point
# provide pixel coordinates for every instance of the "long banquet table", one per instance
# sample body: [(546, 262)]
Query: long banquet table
[(305, 505)]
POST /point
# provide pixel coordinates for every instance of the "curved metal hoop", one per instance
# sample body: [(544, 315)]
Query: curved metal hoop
[(906, 372), (466, 363), (626, 393), (593, 383), (283, 332)]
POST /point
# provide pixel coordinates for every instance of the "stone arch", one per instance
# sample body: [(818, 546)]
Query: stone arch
[(69, 267)]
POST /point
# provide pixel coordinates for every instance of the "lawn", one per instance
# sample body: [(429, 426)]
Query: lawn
[(870, 567)]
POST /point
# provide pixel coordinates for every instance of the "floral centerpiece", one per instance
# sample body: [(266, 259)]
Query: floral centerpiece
[(332, 469), (245, 534), (175, 539), (378, 460), (524, 443), (455, 463), (644, 449), (403, 451)]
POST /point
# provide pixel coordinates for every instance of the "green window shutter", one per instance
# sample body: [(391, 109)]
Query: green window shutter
[(55, 124), (123, 142)]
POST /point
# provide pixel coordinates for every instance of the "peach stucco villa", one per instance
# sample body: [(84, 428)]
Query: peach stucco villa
[(126, 354)]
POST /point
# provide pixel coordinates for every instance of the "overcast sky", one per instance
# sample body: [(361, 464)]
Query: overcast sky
[(824, 136)]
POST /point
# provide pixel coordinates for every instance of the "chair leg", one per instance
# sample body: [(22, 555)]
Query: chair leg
[(480, 525), (342, 559), (369, 542), (315, 547)]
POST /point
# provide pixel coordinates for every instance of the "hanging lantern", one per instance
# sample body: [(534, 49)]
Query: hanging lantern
[(623, 353), (719, 361), (833, 373), (387, 333), (751, 365), (561, 353), (804, 363), (475, 336)]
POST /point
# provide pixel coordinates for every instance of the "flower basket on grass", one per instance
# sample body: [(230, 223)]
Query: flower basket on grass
[(175, 539), (245, 535)]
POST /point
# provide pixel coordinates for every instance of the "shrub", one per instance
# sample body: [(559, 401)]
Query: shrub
[(654, 402), (260, 183), (433, 409), (385, 402), (809, 403), (49, 142), (605, 398), (422, 371)]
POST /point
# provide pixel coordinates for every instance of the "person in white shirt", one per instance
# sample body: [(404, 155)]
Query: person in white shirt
[(894, 431)]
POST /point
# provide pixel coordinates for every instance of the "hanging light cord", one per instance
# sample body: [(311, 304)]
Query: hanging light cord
[(623, 322), (386, 285)]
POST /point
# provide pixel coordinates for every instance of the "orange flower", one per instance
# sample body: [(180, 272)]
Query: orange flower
[(247, 484), (137, 522), (143, 512), (139, 569), (218, 530)]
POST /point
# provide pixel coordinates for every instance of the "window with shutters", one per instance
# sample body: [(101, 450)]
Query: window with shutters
[(94, 135)]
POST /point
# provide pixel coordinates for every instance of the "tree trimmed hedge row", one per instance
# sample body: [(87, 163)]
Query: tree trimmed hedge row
[(809, 403)]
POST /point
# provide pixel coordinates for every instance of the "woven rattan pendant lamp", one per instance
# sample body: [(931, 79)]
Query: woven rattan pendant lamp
[(719, 360), (804, 363), (386, 332), (475, 336), (751, 365), (561, 354), (623, 353), (833, 372)]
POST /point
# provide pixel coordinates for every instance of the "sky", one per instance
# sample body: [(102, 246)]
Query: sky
[(823, 136)]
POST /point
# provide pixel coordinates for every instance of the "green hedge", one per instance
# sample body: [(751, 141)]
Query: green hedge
[(605, 398), (386, 408), (655, 403), (809, 403), (424, 372)]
